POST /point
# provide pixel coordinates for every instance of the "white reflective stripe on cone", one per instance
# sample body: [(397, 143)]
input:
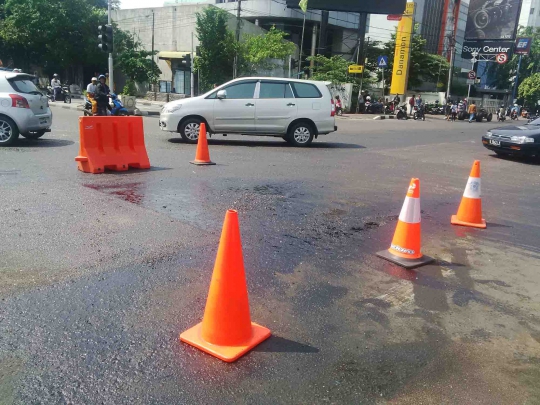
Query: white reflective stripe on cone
[(410, 212), (473, 188)]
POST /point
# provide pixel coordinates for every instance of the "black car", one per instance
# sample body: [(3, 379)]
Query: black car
[(519, 140)]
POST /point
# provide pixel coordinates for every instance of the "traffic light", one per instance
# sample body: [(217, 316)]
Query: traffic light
[(187, 60), (105, 38)]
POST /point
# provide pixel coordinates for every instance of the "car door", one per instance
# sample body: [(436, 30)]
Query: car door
[(236, 112), (276, 107)]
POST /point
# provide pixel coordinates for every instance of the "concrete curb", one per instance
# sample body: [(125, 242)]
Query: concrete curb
[(385, 117)]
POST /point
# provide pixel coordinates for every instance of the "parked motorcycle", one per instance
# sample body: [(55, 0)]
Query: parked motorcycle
[(418, 113), (501, 117), (115, 106), (514, 115), (401, 112), (62, 96)]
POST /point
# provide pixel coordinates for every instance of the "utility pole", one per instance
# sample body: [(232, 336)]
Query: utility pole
[(313, 46), (452, 45), (111, 77), (361, 77), (191, 68), (514, 90), (153, 58), (238, 26)]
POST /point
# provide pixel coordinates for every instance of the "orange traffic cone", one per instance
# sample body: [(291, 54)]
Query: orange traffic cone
[(226, 331), (202, 157), (405, 247), (470, 209)]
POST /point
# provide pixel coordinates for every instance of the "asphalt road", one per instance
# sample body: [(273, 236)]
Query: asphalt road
[(100, 273)]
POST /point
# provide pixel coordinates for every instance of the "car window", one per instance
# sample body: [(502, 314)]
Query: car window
[(25, 85), (306, 90), (275, 90), (240, 90)]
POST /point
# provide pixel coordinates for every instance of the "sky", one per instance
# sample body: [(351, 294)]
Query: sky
[(140, 3)]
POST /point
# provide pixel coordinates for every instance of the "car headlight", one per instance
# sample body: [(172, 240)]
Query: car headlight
[(522, 139), (171, 109), (489, 134)]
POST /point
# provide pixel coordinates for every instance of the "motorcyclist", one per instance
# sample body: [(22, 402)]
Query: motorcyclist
[(91, 94), (502, 112), (515, 110), (102, 96), (56, 86)]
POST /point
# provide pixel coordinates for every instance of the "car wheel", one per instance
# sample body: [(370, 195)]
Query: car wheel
[(489, 117), (8, 131), (34, 134), (189, 130), (301, 134)]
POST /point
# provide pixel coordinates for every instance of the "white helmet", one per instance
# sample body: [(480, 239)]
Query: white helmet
[(94, 79)]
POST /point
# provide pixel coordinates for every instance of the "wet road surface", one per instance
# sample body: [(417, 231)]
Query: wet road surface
[(100, 273)]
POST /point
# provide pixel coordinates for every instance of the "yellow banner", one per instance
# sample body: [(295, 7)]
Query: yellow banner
[(400, 74)]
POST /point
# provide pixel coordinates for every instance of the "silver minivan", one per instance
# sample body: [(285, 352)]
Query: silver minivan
[(24, 109), (296, 110)]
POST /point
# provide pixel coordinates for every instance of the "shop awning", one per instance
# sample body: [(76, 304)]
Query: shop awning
[(173, 55)]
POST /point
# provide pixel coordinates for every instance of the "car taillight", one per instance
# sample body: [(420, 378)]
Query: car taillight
[(333, 109), (18, 101)]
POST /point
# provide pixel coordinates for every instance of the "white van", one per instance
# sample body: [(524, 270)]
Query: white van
[(296, 110)]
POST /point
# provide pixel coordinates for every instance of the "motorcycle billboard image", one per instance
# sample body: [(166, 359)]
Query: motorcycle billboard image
[(492, 19)]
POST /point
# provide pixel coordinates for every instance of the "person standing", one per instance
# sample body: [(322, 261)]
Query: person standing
[(454, 111), (472, 112), (419, 101), (56, 87), (91, 94), (102, 96), (411, 104)]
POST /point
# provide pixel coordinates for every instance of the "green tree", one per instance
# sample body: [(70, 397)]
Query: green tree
[(529, 89), (257, 51), (214, 62), (132, 60), (55, 34), (334, 69)]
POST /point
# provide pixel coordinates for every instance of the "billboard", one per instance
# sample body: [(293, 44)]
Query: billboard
[(400, 74), (492, 19), (355, 6)]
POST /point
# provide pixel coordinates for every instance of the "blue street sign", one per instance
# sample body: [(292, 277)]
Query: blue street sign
[(382, 61)]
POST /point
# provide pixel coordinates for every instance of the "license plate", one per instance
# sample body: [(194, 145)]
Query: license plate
[(495, 143)]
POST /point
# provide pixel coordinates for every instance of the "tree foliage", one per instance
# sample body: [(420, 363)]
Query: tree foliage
[(529, 89), (214, 61), (136, 63), (257, 51), (334, 69), (54, 34)]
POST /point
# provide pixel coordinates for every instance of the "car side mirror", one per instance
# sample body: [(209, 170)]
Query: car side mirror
[(221, 94)]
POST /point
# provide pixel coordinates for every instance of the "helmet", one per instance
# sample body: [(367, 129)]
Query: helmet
[(101, 77), (515, 105), (16, 70), (55, 75), (94, 79)]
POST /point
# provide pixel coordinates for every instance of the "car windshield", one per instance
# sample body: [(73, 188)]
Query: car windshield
[(535, 122), (24, 85)]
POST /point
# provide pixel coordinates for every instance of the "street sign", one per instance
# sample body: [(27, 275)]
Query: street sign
[(523, 46), (356, 68), (471, 74), (470, 81), (501, 58), (393, 17), (382, 61)]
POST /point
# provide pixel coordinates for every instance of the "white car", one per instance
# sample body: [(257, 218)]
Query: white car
[(296, 110), (24, 109)]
